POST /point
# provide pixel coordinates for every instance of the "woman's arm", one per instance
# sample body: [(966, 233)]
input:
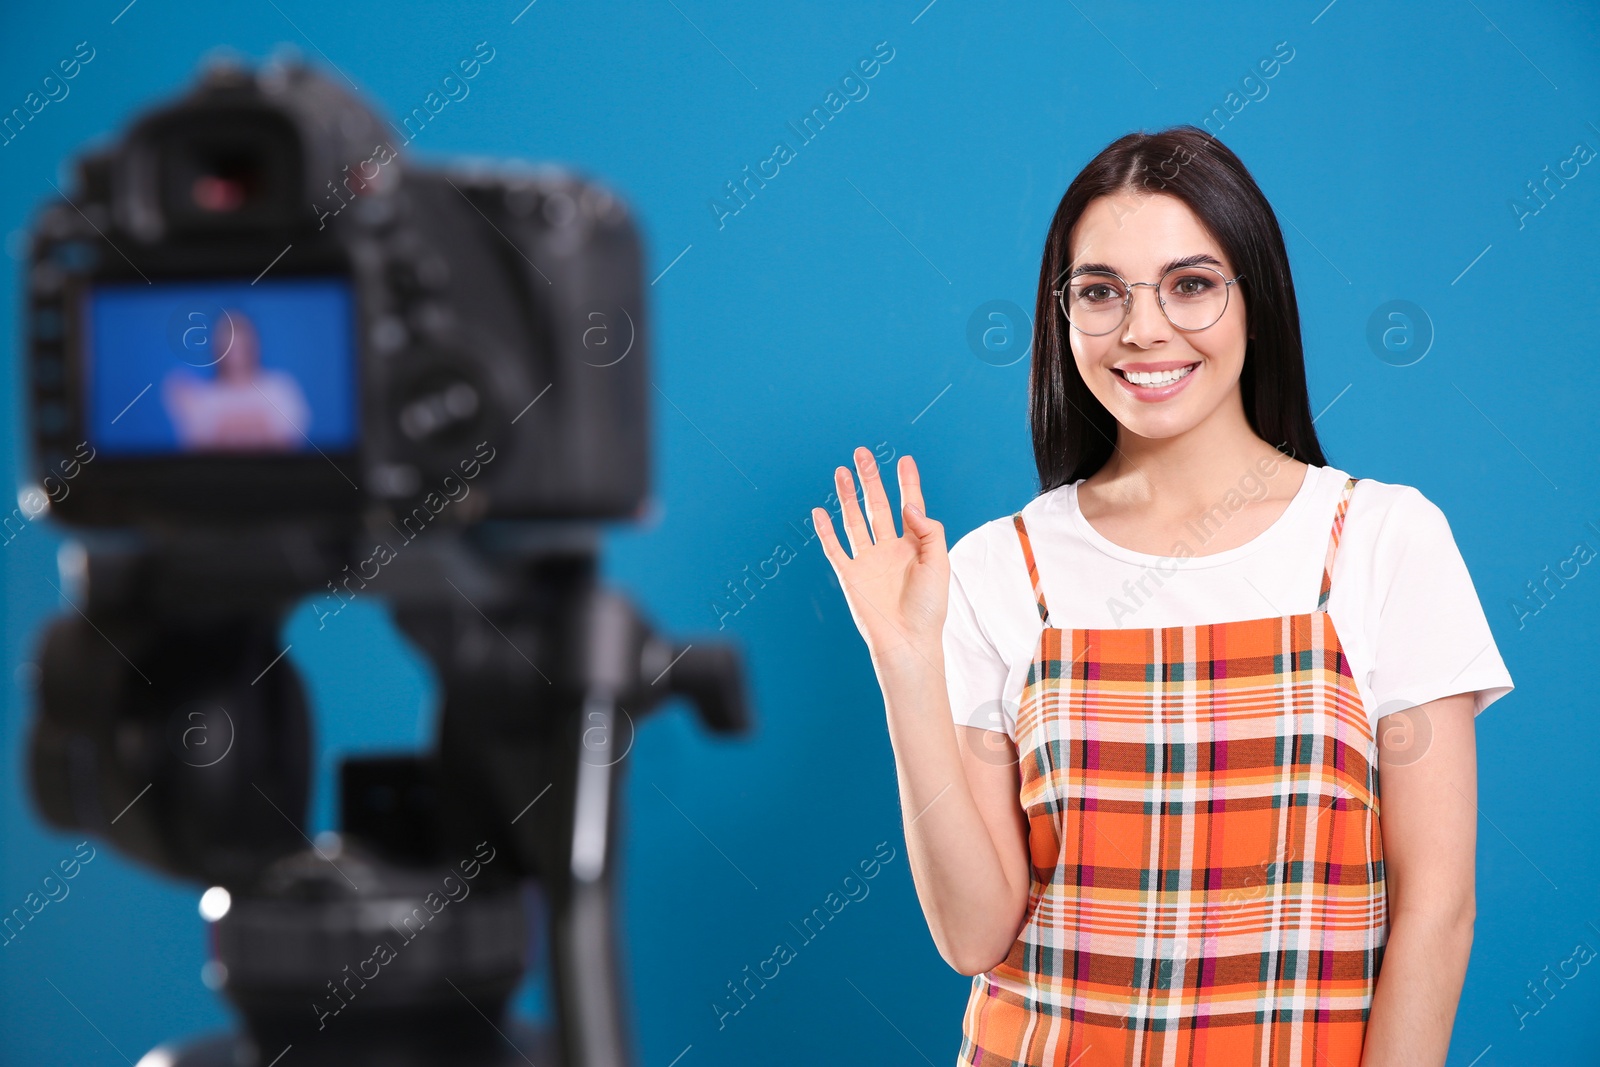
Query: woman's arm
[(965, 830), (1428, 802), (964, 826)]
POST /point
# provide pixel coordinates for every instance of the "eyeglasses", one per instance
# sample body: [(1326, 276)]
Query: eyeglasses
[(1191, 298)]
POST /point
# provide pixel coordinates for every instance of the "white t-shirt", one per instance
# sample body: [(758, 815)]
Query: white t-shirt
[(269, 411), (1402, 601)]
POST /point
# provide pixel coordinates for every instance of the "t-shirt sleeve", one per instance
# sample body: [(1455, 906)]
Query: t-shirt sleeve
[(1433, 639), (974, 671)]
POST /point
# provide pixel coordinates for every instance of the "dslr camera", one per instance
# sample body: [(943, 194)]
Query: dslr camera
[(253, 309)]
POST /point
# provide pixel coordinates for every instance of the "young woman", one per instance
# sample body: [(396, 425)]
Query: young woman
[(1182, 676)]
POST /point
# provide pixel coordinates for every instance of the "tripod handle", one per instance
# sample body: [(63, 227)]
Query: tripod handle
[(711, 676)]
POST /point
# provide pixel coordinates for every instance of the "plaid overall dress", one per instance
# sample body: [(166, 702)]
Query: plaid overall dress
[(1207, 883)]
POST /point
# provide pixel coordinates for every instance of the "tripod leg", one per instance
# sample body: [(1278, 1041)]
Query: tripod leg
[(579, 880)]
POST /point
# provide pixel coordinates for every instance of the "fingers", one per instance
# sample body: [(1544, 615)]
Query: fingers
[(855, 525), (910, 483), (878, 509), (822, 522), (927, 533)]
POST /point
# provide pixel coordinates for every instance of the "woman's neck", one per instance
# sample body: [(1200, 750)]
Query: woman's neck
[(1188, 473)]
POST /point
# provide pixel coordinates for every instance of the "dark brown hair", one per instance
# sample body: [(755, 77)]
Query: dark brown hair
[(1073, 433)]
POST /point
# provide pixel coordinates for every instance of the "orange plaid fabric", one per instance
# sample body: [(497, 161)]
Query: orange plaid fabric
[(1207, 869)]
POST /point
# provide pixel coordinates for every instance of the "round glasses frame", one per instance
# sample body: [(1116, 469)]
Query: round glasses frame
[(1127, 299)]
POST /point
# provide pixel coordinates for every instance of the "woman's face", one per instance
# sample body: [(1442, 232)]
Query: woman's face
[(241, 353), (1136, 236)]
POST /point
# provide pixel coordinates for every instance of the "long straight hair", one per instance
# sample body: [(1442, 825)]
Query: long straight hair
[(1073, 433)]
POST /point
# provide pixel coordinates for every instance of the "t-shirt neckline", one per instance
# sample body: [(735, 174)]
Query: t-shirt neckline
[(1297, 504)]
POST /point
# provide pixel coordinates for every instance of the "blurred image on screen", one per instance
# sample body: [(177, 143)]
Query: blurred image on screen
[(243, 405), (220, 367)]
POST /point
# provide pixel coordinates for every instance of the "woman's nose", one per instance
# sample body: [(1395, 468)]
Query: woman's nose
[(1145, 321)]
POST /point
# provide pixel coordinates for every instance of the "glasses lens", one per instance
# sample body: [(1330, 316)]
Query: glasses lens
[(1094, 302), (1194, 297)]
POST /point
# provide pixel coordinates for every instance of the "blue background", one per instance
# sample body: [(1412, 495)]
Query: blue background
[(305, 330), (833, 310)]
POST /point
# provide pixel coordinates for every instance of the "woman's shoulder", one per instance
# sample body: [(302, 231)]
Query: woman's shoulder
[(1393, 518), (996, 540), (1382, 501), (971, 549)]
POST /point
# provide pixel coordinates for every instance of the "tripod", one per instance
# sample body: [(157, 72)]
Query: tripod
[(171, 724)]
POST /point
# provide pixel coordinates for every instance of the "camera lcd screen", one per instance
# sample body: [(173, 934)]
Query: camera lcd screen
[(208, 367)]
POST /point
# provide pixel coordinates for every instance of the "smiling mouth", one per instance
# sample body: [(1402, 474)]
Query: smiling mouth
[(1156, 378)]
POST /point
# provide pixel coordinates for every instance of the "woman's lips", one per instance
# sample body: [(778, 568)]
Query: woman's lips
[(1154, 393)]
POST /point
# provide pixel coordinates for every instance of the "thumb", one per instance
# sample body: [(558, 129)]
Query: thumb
[(928, 533)]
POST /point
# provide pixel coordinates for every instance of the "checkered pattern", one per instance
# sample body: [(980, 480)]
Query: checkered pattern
[(1207, 870)]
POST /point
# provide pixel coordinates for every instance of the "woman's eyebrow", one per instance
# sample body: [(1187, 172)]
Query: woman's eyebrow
[(1202, 258)]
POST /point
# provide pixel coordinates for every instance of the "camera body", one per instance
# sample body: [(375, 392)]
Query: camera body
[(252, 309)]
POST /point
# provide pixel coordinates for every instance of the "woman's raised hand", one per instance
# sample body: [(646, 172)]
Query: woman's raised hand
[(897, 586)]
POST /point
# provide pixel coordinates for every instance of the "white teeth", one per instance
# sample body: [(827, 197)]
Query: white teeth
[(1162, 377)]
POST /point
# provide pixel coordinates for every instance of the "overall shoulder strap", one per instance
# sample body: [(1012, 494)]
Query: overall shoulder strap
[(1033, 569), (1333, 543)]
